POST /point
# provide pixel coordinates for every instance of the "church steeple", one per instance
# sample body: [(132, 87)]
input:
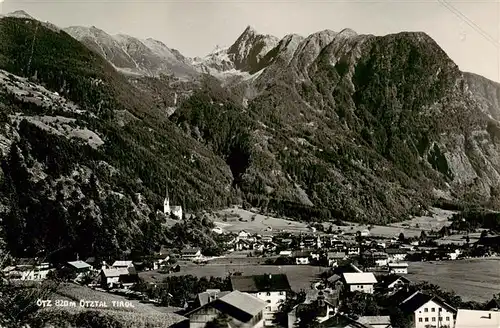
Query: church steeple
[(166, 202)]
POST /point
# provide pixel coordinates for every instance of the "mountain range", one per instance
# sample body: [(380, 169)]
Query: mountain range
[(334, 125)]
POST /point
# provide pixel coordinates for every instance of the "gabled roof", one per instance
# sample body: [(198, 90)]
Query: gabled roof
[(79, 265), (114, 272), (343, 321), (397, 265), (209, 295), (375, 320), (334, 278), (474, 318), (235, 304), (122, 263), (244, 302), (391, 279), (418, 299), (260, 283), (359, 278)]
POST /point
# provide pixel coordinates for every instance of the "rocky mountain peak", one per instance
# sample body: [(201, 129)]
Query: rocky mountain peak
[(19, 14)]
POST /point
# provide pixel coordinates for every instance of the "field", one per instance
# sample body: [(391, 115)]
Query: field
[(473, 279), (235, 220), (299, 276), (410, 228), (459, 239)]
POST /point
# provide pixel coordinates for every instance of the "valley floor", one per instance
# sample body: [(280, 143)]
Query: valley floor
[(299, 276), (472, 279)]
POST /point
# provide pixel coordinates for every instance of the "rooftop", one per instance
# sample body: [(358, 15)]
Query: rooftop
[(244, 302), (209, 295), (359, 278), (375, 320), (122, 263), (79, 265), (116, 272), (418, 299)]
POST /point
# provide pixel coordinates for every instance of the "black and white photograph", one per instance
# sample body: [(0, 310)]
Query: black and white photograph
[(249, 163)]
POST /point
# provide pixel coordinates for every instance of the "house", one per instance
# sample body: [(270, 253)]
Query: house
[(160, 260), (267, 239), (398, 268), (352, 250), (271, 288), (316, 298), (336, 256), (359, 281), (480, 319), (118, 277), (302, 257), (28, 269), (392, 282), (340, 320), (396, 254), (80, 268), (243, 244), (243, 235), (286, 253), (380, 259), (190, 253), (454, 254), (258, 246), (309, 242), (208, 296), (365, 233), (122, 264), (240, 309), (376, 321), (334, 282), (428, 310)]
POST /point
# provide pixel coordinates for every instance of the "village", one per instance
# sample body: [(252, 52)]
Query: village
[(349, 263)]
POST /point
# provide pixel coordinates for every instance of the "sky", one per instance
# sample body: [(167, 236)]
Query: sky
[(196, 27)]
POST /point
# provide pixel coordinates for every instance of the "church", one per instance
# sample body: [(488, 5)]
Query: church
[(171, 210)]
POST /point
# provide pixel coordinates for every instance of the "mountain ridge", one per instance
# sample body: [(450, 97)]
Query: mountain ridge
[(334, 125)]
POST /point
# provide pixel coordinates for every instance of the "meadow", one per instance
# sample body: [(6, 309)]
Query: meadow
[(299, 276), (236, 219), (472, 279)]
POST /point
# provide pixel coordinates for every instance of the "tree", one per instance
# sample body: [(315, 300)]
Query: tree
[(400, 319), (360, 304), (307, 316), (484, 234), (401, 237), (423, 235)]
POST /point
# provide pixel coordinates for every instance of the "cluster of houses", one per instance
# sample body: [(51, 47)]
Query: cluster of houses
[(254, 301)]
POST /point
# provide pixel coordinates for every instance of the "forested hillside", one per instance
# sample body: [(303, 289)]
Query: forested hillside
[(86, 156)]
